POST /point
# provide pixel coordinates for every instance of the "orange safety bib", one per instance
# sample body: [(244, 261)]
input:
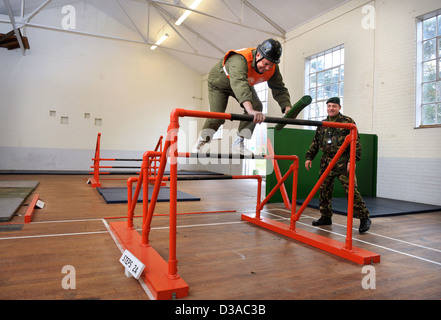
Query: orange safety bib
[(253, 76)]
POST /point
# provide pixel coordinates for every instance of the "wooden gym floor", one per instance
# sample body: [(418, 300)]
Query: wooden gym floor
[(220, 257)]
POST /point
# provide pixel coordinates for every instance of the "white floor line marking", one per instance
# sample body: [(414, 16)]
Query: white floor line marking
[(60, 221), (379, 235), (54, 235), (143, 285), (236, 222), (373, 244)]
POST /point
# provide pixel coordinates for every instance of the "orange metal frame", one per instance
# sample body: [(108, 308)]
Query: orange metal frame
[(162, 277), (30, 212), (96, 182)]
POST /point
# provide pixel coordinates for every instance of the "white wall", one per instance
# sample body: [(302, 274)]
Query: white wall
[(380, 73), (409, 165), (131, 88)]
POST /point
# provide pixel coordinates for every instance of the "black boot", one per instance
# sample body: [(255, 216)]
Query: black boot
[(365, 224), (323, 221)]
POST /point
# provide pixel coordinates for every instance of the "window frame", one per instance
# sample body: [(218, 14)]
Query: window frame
[(317, 101), (420, 81)]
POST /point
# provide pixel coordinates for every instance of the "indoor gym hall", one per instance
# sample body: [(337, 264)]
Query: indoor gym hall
[(63, 85)]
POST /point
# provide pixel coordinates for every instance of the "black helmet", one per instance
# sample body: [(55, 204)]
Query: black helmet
[(271, 49)]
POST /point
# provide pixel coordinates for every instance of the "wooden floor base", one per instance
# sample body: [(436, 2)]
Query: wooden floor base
[(67, 252), (156, 270), (353, 254)]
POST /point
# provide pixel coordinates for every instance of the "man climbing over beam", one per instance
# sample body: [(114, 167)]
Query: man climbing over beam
[(235, 75)]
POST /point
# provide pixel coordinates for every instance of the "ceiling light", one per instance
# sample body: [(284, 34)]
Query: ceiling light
[(161, 40), (187, 12)]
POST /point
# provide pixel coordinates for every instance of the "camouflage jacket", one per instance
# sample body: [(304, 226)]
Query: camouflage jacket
[(329, 140)]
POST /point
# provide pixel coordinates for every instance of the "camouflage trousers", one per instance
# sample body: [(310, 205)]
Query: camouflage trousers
[(327, 188)]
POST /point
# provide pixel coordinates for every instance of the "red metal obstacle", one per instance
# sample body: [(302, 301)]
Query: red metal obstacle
[(96, 182), (162, 277)]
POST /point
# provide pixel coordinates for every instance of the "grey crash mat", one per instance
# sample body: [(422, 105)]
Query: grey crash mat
[(18, 184), (12, 196), (119, 195), (8, 207), (379, 207)]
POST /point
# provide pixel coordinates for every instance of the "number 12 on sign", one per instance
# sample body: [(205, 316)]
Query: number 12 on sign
[(133, 266)]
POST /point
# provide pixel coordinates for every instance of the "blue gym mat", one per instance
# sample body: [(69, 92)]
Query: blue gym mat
[(378, 207), (119, 195)]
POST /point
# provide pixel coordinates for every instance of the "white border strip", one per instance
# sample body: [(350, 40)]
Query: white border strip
[(370, 243), (143, 285)]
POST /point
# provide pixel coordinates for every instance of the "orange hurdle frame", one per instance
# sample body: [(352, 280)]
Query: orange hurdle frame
[(162, 277), (96, 182)]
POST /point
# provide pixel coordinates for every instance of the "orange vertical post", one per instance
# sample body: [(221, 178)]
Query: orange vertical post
[(173, 154), (294, 192), (148, 209), (276, 169), (353, 138), (95, 181)]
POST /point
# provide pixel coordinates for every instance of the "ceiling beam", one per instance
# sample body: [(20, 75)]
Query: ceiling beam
[(191, 30), (132, 22), (159, 9), (32, 14), (264, 17), (280, 34), (14, 26)]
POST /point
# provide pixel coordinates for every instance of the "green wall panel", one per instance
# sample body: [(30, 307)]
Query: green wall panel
[(296, 142)]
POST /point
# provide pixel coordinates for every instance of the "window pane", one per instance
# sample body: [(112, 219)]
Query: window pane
[(313, 66), (320, 91), (439, 64), (320, 63), (335, 74), (328, 60), (439, 25), (328, 92), (429, 114), (342, 89), (429, 28), (320, 79), (315, 111), (313, 93), (438, 91), (439, 45), (342, 73), (429, 49), (328, 77), (312, 81), (335, 90), (429, 92), (336, 58), (429, 71)]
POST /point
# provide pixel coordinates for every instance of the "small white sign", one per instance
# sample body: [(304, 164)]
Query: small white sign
[(39, 204), (133, 266)]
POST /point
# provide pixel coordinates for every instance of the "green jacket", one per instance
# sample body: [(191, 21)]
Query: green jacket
[(329, 140), (237, 85)]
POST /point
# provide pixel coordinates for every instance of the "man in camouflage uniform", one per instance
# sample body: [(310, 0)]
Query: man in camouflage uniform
[(329, 140)]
